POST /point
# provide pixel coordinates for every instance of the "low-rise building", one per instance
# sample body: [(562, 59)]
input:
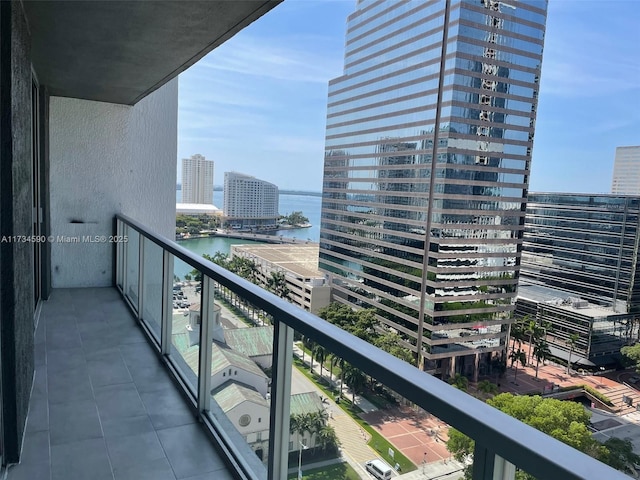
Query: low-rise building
[(579, 271), (601, 331), (197, 209), (307, 286)]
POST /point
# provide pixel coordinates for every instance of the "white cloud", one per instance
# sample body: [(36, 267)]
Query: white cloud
[(283, 58)]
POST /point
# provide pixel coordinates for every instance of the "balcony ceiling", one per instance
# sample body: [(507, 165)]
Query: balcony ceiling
[(120, 51)]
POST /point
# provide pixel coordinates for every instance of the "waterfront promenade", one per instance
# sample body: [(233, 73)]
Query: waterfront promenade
[(254, 237)]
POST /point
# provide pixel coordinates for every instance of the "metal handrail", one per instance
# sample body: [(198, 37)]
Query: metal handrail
[(535, 452)]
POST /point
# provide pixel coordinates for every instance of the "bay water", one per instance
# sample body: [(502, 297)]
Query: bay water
[(309, 205)]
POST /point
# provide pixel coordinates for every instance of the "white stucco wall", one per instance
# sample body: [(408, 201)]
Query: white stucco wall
[(107, 159), (259, 383)]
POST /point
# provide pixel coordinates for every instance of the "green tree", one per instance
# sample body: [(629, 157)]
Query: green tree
[(321, 355), (327, 439), (355, 380), (631, 355), (541, 352), (620, 456), (534, 331), (296, 218), (517, 334), (277, 284), (573, 339), (391, 343), (460, 382), (487, 388), (565, 421), (517, 356)]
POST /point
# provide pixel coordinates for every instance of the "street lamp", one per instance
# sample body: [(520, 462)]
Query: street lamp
[(601, 374), (424, 461), (302, 447)]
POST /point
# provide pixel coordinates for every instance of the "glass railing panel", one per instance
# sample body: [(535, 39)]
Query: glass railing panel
[(132, 266), (320, 429), (152, 265), (185, 322), (361, 405), (241, 360)]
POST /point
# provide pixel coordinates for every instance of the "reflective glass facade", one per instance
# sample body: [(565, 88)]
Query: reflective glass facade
[(586, 245), (428, 148)]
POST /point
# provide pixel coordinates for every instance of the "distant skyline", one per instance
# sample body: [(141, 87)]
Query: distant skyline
[(257, 104)]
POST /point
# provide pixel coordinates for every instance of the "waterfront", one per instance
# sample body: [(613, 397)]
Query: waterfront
[(308, 205)]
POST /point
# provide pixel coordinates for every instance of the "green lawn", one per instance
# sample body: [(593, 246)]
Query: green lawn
[(337, 471)]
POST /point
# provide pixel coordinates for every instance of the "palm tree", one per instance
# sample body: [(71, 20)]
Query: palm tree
[(355, 379), (541, 351), (294, 423), (534, 331), (327, 438), (317, 420), (517, 334), (277, 283), (517, 356), (321, 354), (573, 339)]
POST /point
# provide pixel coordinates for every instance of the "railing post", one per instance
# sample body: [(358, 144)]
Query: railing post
[(280, 401), (124, 262), (489, 466), (167, 303), (119, 257), (141, 239), (483, 463), (206, 339)]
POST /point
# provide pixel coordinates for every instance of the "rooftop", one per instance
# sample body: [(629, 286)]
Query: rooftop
[(556, 297), (197, 208), (231, 394), (301, 260), (308, 402), (224, 357), (251, 342)]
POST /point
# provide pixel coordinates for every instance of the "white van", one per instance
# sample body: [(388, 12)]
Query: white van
[(378, 469)]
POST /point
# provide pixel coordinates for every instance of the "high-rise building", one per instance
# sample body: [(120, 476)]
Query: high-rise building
[(626, 171), (197, 180), (579, 272), (249, 203), (428, 149)]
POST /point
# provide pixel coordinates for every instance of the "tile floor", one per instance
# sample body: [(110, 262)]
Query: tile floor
[(103, 406)]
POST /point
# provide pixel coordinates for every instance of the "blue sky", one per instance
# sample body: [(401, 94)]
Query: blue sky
[(257, 104)]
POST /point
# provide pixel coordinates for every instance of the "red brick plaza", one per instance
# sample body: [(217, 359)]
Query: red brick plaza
[(416, 433), (413, 433)]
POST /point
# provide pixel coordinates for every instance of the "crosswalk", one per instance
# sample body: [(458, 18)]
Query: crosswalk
[(352, 438)]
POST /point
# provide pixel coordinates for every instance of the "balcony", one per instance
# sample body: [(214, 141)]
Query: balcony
[(103, 406), (129, 387)]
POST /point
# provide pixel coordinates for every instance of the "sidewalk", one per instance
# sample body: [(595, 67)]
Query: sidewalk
[(365, 405), (451, 470)]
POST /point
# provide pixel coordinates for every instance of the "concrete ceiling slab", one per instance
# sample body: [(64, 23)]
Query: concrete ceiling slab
[(120, 51)]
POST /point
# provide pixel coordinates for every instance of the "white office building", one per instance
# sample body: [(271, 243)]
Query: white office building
[(626, 171), (197, 180)]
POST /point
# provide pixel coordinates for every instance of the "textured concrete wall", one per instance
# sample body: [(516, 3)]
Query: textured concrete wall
[(16, 259), (107, 159)]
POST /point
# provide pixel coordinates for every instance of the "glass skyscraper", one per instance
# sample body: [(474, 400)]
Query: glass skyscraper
[(428, 149)]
